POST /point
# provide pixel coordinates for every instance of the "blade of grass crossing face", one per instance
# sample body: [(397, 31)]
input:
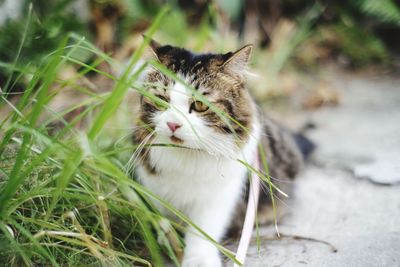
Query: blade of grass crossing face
[(121, 88)]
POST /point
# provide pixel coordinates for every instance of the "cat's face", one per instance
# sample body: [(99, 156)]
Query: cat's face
[(187, 120)]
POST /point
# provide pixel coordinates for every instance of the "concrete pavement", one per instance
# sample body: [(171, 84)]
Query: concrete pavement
[(345, 210)]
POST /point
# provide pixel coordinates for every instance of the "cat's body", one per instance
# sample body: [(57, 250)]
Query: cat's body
[(205, 180), (204, 188)]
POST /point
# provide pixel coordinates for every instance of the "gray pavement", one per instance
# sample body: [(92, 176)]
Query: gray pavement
[(345, 209)]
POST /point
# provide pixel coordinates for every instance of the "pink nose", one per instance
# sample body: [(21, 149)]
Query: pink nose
[(173, 126)]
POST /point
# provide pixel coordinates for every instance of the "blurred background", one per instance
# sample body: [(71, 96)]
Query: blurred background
[(293, 38)]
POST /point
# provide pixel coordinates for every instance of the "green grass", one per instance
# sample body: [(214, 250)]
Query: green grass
[(65, 198)]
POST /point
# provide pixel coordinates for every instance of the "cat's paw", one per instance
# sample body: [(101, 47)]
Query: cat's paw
[(201, 261)]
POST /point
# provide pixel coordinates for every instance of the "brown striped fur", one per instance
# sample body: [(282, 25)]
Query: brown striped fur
[(215, 77)]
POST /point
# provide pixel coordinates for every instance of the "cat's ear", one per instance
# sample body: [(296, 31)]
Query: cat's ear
[(154, 47), (236, 62)]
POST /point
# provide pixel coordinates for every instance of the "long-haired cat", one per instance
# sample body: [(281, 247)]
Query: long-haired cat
[(205, 178)]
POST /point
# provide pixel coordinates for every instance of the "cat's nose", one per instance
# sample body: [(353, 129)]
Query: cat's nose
[(173, 126)]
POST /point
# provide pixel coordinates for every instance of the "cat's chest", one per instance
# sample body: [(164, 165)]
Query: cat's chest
[(186, 178), (188, 165)]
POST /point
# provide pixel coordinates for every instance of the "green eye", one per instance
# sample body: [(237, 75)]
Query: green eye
[(198, 106), (158, 102)]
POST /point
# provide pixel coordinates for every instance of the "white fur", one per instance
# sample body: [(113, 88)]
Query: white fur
[(205, 182)]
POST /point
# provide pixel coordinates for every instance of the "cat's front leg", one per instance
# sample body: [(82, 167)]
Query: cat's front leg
[(213, 218), (200, 253)]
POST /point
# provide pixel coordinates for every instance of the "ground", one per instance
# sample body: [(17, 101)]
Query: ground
[(345, 209)]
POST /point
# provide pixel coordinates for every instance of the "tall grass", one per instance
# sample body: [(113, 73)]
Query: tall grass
[(65, 198)]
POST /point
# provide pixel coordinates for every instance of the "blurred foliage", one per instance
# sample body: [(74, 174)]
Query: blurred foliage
[(50, 21), (355, 24), (383, 10), (289, 36)]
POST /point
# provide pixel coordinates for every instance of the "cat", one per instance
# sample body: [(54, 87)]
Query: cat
[(205, 179)]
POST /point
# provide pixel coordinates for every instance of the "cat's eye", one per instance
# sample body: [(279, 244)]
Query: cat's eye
[(159, 102), (198, 106)]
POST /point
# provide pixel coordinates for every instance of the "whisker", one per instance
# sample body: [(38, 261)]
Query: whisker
[(131, 162), (123, 138), (266, 190)]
